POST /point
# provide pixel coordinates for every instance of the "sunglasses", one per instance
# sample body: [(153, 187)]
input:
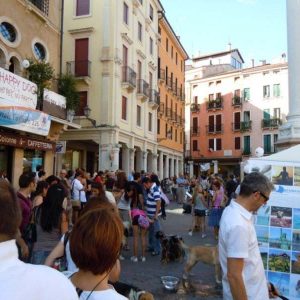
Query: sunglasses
[(263, 195)]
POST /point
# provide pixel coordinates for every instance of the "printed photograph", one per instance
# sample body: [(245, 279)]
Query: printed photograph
[(281, 281), (279, 261), (296, 240), (297, 176), (296, 262), (295, 286), (262, 217), (264, 256), (296, 218), (281, 216), (262, 233), (280, 238), (282, 175)]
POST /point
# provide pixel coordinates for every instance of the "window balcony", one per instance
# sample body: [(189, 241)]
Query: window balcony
[(142, 89), (214, 129), (161, 108), (179, 120), (246, 126), (195, 107), (236, 101), (215, 104), (128, 78), (195, 131), (42, 5), (169, 113), (154, 99), (169, 83), (173, 117), (79, 68), (271, 123), (246, 151), (161, 75), (236, 126)]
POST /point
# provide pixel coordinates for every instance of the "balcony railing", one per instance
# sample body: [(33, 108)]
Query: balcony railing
[(246, 151), (168, 113), (195, 107), (161, 75), (154, 98), (142, 89), (270, 123), (213, 129), (246, 126), (161, 108), (195, 131), (236, 101), (42, 5), (79, 68), (215, 104), (236, 126), (173, 116), (128, 77), (169, 83)]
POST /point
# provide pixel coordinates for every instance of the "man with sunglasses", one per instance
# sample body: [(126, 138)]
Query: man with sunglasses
[(240, 259)]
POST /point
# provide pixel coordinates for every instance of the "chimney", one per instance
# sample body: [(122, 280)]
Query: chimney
[(229, 46), (263, 62), (252, 60)]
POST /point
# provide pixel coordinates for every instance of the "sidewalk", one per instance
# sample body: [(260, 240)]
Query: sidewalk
[(147, 275)]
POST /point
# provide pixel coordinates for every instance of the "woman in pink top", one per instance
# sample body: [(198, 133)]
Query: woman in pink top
[(216, 211)]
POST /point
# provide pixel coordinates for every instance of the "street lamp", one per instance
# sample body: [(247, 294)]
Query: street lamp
[(87, 113)]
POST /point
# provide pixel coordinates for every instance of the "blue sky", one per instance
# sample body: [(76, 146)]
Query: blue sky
[(256, 27)]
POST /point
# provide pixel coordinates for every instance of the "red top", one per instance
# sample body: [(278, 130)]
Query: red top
[(26, 207)]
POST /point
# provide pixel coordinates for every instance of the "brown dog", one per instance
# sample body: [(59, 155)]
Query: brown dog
[(206, 254)]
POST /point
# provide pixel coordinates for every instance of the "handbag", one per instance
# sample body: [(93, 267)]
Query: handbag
[(30, 233)]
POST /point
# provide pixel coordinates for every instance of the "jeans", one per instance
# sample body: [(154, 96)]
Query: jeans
[(39, 257), (154, 243)]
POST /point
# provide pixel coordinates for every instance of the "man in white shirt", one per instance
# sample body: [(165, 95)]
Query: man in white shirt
[(240, 259), (18, 280)]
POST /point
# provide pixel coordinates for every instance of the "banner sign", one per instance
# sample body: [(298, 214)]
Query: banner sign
[(277, 227), (17, 91), (61, 147), (54, 104), (29, 120), (25, 142)]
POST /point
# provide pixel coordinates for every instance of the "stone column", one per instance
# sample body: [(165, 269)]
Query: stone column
[(126, 160), (139, 160), (104, 158), (132, 167), (166, 167), (161, 165), (191, 168), (289, 133), (154, 163), (145, 154), (114, 155), (176, 167), (172, 167)]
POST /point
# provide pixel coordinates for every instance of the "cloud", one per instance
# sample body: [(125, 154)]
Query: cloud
[(247, 1)]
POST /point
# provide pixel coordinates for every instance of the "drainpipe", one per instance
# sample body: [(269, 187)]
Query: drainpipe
[(61, 37)]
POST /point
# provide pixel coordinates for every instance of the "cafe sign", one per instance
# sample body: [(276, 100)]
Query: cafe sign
[(25, 142)]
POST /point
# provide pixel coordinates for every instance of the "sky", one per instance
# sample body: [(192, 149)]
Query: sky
[(256, 27)]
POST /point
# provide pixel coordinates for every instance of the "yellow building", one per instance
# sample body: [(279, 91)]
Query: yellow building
[(170, 123)]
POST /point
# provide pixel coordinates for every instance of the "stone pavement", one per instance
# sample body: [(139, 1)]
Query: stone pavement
[(147, 275)]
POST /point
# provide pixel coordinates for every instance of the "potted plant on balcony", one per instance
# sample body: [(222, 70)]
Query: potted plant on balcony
[(42, 74), (67, 88)]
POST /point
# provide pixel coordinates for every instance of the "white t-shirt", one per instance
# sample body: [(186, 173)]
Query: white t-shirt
[(237, 239), (110, 197), (109, 294), (78, 193), (20, 281), (123, 203), (71, 265)]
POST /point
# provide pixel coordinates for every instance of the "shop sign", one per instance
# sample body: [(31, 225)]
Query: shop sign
[(16, 90), (61, 147), (25, 142), (29, 120), (54, 104)]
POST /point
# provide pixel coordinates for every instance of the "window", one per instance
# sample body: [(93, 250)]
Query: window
[(125, 13), (181, 63), (167, 44), (81, 57), (237, 143), (276, 90), (172, 51), (151, 12), (211, 97), (266, 91), (8, 32), (82, 7), (267, 143), (82, 103), (237, 121), (150, 121), (125, 55), (211, 144), (267, 115), (158, 126), (214, 144), (180, 137), (138, 115), (247, 149), (218, 144), (166, 131), (176, 58), (151, 46), (140, 31), (246, 94), (39, 51), (277, 113), (195, 145), (175, 135), (124, 108), (275, 137), (42, 5)]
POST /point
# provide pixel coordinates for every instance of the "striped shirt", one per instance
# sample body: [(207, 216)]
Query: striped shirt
[(153, 197)]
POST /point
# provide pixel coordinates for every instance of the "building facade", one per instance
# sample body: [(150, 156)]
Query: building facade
[(112, 49), (170, 122), (28, 30), (233, 111)]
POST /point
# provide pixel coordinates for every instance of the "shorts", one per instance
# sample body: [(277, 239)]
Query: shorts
[(135, 220), (76, 205), (199, 213)]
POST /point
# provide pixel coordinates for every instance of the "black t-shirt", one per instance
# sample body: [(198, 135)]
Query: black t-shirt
[(137, 186)]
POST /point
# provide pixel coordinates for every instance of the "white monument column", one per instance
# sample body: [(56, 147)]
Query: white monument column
[(145, 154), (161, 165), (132, 167), (166, 169), (154, 163), (176, 167), (172, 166), (289, 133), (115, 158), (126, 160), (191, 168)]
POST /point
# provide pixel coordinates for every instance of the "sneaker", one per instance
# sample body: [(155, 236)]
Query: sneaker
[(190, 233), (121, 257), (203, 235), (143, 258), (134, 259), (154, 253)]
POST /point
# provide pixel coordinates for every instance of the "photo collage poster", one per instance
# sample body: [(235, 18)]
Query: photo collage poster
[(277, 227)]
